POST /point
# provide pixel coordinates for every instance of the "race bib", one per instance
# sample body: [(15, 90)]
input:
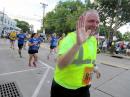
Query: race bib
[(87, 77)]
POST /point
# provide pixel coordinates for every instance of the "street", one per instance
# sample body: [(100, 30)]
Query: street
[(36, 82)]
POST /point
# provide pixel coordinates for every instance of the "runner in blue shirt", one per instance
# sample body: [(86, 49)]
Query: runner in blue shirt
[(21, 37), (33, 49), (53, 45), (40, 40), (25, 40)]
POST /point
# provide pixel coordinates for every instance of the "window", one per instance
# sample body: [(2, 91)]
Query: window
[(1, 18)]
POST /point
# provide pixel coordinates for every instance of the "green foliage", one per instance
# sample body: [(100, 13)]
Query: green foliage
[(102, 30), (23, 25), (63, 18), (113, 13), (126, 36), (119, 36)]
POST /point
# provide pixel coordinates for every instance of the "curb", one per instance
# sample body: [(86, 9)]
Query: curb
[(126, 57), (117, 55), (108, 64)]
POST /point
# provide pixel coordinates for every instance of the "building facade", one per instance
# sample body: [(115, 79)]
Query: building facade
[(7, 24)]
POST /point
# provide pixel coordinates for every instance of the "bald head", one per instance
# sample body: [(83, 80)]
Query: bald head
[(91, 11), (91, 20)]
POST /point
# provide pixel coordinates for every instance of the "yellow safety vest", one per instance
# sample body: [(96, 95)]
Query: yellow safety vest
[(78, 73)]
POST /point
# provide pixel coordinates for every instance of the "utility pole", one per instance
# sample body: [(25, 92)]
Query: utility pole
[(43, 6)]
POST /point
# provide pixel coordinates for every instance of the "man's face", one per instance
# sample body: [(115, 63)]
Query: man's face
[(92, 22)]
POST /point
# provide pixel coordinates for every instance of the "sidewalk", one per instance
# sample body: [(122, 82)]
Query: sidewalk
[(117, 60), (122, 56)]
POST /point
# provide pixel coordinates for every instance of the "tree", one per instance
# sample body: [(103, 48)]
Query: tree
[(23, 25), (102, 30), (126, 36), (119, 36), (113, 13), (63, 18)]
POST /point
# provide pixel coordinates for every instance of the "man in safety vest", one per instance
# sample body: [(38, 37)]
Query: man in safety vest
[(76, 59)]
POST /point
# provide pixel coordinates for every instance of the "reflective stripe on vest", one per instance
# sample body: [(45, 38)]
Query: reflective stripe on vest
[(80, 60)]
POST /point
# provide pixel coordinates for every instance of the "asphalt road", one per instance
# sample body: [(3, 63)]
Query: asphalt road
[(36, 82)]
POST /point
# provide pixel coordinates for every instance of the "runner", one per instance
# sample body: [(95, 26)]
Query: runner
[(53, 45), (39, 39), (76, 59), (33, 49), (25, 40), (21, 37), (12, 37)]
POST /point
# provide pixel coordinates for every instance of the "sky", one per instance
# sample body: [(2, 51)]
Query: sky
[(32, 11), (28, 10)]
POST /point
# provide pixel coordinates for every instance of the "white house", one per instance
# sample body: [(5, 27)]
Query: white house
[(7, 24)]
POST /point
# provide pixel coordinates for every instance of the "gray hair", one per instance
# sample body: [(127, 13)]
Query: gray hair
[(90, 11)]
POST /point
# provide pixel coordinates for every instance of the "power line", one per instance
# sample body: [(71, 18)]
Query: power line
[(57, 20), (20, 17), (28, 18)]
